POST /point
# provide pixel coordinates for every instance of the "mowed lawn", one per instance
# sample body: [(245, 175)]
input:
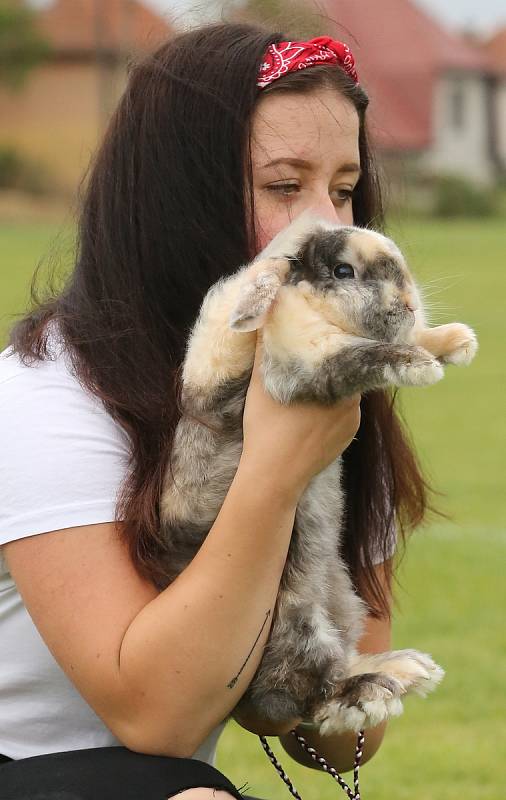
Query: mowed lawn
[(451, 746)]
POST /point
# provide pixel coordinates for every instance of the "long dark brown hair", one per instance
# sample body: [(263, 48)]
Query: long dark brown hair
[(164, 214)]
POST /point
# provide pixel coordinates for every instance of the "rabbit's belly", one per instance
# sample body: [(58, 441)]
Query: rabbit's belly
[(316, 576), (318, 523), (304, 634)]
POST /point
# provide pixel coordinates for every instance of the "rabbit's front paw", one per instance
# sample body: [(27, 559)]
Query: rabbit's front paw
[(261, 282), (422, 370), (363, 702), (462, 343)]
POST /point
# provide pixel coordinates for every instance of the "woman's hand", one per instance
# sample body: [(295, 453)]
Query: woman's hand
[(294, 443)]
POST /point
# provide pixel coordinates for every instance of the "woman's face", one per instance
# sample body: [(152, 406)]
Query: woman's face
[(305, 154)]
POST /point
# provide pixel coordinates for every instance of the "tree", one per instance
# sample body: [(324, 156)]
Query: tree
[(295, 18), (21, 46)]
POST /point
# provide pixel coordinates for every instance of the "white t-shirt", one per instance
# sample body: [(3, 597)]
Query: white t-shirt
[(62, 461)]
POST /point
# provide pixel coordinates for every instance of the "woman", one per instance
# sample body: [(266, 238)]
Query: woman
[(211, 151)]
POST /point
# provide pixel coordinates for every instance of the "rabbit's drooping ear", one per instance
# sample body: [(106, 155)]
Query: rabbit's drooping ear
[(255, 299)]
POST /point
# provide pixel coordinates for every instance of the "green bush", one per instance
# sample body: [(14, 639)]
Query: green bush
[(24, 174), (455, 196), (10, 167), (22, 47)]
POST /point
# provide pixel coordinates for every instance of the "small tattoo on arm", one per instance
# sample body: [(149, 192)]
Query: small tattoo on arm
[(234, 680)]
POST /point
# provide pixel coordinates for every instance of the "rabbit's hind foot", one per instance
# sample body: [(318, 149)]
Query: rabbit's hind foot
[(374, 689), (363, 701), (416, 672)]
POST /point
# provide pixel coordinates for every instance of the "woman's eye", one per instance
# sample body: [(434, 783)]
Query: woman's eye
[(344, 271), (284, 189), (340, 196)]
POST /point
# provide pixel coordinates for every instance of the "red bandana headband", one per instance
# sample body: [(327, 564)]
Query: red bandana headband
[(284, 57)]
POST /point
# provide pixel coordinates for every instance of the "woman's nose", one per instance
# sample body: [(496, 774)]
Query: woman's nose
[(325, 208)]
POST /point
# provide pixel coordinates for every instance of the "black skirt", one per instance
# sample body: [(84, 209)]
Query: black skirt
[(106, 773)]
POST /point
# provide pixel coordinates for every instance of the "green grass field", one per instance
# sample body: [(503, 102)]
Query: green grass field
[(451, 746)]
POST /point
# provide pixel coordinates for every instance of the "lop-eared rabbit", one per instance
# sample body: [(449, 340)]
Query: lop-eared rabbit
[(340, 313)]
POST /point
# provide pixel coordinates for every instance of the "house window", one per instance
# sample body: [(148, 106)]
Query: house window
[(458, 106)]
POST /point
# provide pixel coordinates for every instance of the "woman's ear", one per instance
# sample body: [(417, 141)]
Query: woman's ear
[(256, 297)]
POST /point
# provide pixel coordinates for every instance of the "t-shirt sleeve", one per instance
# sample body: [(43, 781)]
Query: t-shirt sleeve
[(62, 457)]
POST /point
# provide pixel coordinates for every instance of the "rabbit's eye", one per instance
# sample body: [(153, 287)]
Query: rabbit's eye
[(344, 271)]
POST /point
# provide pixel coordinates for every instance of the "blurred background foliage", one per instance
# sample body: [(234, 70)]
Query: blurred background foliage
[(22, 48)]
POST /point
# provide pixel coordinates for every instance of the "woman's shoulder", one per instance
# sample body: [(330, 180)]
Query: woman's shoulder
[(46, 396), (63, 457), (16, 374), (50, 390)]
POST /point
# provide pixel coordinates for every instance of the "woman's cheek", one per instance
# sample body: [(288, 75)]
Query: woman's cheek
[(269, 222), (265, 232)]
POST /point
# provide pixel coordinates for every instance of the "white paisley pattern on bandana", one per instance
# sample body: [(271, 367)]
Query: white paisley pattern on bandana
[(283, 57)]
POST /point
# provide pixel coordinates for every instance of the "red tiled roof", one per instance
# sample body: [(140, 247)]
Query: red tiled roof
[(399, 50), (495, 49), (72, 25)]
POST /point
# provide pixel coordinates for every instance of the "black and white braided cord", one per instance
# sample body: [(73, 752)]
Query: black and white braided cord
[(279, 768), (319, 759)]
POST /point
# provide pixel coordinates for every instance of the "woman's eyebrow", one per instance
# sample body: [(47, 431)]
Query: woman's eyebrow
[(302, 163)]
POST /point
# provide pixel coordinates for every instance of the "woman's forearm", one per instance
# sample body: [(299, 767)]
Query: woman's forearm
[(189, 655)]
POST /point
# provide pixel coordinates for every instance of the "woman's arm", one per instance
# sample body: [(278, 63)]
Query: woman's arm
[(339, 750), (161, 669)]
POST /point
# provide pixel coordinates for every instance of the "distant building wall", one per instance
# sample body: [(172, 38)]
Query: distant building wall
[(500, 111), (56, 118), (461, 142)]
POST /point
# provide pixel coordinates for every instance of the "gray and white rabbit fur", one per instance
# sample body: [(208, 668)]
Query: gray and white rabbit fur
[(340, 313)]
